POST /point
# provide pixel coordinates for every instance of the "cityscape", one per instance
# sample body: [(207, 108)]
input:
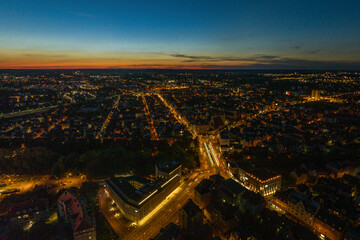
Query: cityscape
[(169, 154), (179, 120)]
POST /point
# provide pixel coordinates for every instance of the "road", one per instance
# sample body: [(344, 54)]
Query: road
[(28, 183), (117, 224), (167, 211), (26, 112), (66, 95), (154, 135), (50, 127), (211, 162), (108, 118), (178, 116)]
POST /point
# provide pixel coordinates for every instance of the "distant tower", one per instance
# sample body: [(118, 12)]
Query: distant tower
[(315, 94)]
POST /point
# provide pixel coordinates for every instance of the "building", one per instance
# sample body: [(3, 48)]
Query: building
[(167, 170), (203, 193), (299, 175), (259, 180), (136, 196), (229, 190), (329, 225), (352, 234), (216, 179), (253, 203), (224, 216), (315, 94), (190, 216), (297, 205), (28, 212), (217, 121), (224, 141), (74, 211), (170, 232), (200, 128), (339, 169)]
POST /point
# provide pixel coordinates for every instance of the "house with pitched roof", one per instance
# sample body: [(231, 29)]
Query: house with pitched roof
[(74, 211)]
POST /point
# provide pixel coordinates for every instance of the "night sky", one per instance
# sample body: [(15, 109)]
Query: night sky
[(204, 34)]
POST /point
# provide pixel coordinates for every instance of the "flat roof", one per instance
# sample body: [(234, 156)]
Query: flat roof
[(262, 173), (204, 186), (235, 187), (167, 166), (123, 187), (136, 196)]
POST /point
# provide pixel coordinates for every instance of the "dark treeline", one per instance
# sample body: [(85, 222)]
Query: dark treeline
[(95, 159)]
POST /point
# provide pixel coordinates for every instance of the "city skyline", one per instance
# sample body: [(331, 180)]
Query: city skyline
[(179, 154), (200, 35)]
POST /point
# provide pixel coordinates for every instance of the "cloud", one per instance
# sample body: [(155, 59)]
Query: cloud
[(64, 59), (194, 58), (298, 46), (314, 51), (263, 61), (31, 55)]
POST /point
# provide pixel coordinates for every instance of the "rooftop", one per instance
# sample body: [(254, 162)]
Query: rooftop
[(126, 187), (170, 232), (232, 186), (167, 166), (28, 206), (191, 208), (263, 174), (204, 186), (76, 206)]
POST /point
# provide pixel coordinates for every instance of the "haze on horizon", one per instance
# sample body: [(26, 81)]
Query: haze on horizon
[(180, 34)]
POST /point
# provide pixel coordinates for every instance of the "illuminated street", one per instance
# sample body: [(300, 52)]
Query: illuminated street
[(168, 211), (179, 120), (27, 183)]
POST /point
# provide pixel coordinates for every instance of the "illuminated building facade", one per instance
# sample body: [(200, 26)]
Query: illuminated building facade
[(309, 213), (329, 226), (27, 212), (259, 180), (136, 197), (297, 205)]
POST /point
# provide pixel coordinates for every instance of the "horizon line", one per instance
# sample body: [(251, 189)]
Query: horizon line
[(194, 69)]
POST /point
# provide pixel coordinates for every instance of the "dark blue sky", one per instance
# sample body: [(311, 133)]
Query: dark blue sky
[(200, 34)]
